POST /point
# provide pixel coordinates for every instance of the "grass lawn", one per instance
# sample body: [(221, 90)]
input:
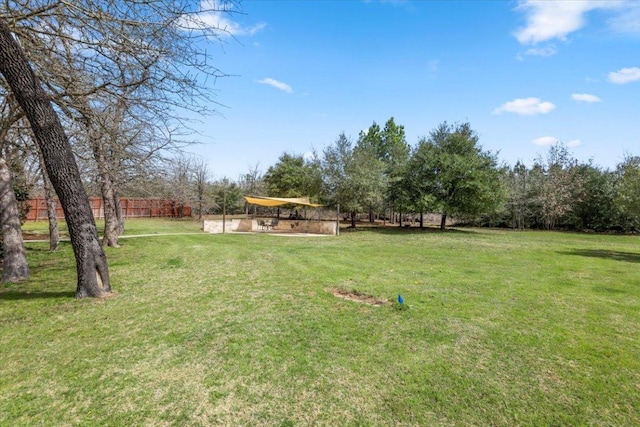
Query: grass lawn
[(499, 328)]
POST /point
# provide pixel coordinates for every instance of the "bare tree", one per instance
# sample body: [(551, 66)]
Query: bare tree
[(179, 182), (201, 183), (91, 262), (557, 184), (518, 192), (49, 196), (117, 68), (20, 143), (253, 183)]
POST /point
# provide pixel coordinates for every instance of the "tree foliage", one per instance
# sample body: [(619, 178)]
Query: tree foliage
[(353, 176), (628, 190), (294, 176), (559, 192), (558, 186), (450, 173), (390, 147), (594, 208)]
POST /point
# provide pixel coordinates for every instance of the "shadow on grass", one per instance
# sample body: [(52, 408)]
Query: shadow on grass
[(612, 291), (395, 230), (13, 295), (604, 254)]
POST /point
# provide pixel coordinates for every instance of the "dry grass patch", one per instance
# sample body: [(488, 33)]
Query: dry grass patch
[(357, 296)]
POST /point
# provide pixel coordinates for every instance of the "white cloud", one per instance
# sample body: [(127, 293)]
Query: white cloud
[(545, 141), (574, 143), (543, 52), (555, 19), (628, 20), (546, 51), (214, 16), (624, 75), (585, 97), (278, 85), (525, 106)]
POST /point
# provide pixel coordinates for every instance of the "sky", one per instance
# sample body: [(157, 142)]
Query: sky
[(524, 74)]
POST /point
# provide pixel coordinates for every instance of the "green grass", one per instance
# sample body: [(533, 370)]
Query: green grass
[(499, 328), (132, 226)]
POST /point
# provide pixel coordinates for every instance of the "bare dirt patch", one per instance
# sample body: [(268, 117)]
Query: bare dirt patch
[(357, 296)]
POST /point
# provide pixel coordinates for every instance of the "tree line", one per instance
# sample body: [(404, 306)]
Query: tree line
[(449, 173), (379, 175)]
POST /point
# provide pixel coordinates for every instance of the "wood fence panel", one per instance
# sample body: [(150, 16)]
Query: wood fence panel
[(131, 208)]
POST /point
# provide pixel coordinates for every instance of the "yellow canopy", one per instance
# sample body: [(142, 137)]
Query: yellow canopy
[(280, 201)]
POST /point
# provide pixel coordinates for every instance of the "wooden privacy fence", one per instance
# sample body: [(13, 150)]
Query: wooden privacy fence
[(131, 208)]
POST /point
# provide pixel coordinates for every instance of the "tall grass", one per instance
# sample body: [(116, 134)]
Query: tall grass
[(499, 328)]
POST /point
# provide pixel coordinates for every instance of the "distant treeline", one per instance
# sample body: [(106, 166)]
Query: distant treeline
[(448, 173)]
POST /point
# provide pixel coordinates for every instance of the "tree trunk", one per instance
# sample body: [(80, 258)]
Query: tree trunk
[(15, 267), (110, 237), (353, 219), (443, 221), (119, 217), (60, 164), (107, 189), (421, 220), (49, 196), (200, 208), (111, 224)]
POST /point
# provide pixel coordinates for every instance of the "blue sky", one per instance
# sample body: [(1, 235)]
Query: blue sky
[(525, 74)]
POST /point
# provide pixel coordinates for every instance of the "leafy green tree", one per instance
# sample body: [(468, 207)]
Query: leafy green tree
[(372, 138), (395, 150), (389, 145), (353, 176), (371, 145), (450, 172), (368, 178), (517, 203), (293, 176), (417, 181), (230, 193), (336, 162), (628, 191), (395, 155), (595, 209)]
